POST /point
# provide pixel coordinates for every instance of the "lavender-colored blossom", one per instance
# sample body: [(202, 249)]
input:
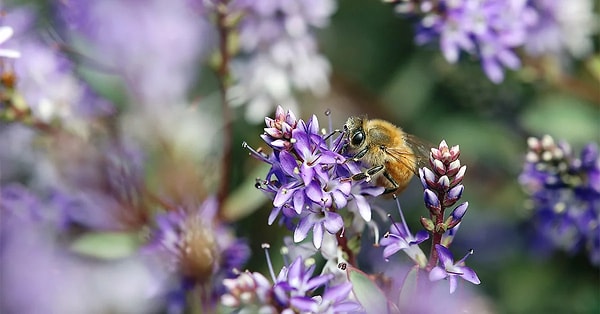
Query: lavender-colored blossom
[(451, 270), (400, 238), (318, 221), (335, 300), (565, 195), (154, 45), (5, 33), (47, 81), (42, 274), (279, 53), (488, 29), (561, 27), (199, 251), (309, 179)]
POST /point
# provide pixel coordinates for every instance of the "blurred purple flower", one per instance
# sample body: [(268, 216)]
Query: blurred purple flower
[(488, 29), (309, 179), (561, 27), (41, 274), (565, 195), (451, 270), (154, 45), (279, 53), (198, 250), (48, 82)]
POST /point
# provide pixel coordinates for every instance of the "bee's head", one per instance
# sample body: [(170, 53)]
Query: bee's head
[(355, 133)]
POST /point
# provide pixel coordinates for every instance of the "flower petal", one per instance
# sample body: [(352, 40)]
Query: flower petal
[(437, 273), (453, 283), (364, 208), (333, 222), (318, 235), (302, 229), (468, 274), (445, 256), (421, 236), (274, 213)]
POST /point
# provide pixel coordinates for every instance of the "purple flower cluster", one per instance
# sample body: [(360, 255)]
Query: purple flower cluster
[(489, 29), (293, 291), (309, 180), (564, 194), (443, 188), (279, 53)]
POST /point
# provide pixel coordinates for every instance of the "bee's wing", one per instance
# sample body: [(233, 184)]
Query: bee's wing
[(421, 149), (420, 153)]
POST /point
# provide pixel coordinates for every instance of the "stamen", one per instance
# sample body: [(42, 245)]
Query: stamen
[(285, 252), (266, 247), (256, 153), (401, 214)]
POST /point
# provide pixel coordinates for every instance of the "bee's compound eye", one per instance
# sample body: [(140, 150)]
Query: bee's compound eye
[(357, 138)]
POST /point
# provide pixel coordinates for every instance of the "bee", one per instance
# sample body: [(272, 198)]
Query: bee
[(392, 155)]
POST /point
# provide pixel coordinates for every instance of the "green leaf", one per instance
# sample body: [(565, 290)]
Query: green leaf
[(107, 245), (409, 287), (367, 292), (246, 199)]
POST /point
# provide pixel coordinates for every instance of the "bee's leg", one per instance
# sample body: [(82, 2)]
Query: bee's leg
[(367, 174), (394, 183), (360, 155)]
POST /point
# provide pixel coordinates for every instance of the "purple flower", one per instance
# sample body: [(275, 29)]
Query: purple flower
[(561, 27), (451, 270), (199, 251), (46, 80), (293, 291), (400, 238), (5, 33), (318, 221), (488, 29), (565, 195), (144, 42), (335, 300)]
